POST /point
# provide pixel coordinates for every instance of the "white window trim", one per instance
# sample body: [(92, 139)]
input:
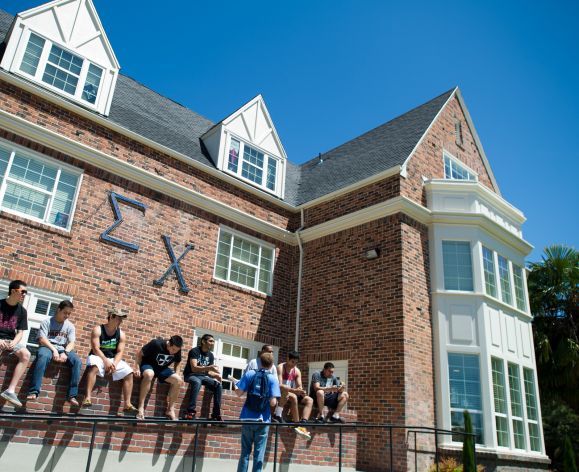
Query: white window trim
[(14, 148), (255, 241), (37, 78), (29, 303), (242, 143), (459, 163)]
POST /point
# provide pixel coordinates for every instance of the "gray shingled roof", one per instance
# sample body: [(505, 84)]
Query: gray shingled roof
[(145, 112)]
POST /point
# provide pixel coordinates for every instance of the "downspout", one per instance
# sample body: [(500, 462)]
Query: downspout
[(299, 297)]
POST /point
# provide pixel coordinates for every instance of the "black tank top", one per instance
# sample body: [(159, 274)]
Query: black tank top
[(109, 344)]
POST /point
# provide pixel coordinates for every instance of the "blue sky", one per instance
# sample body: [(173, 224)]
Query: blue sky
[(330, 70)]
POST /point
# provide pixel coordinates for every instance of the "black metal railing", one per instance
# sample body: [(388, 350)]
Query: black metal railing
[(198, 423)]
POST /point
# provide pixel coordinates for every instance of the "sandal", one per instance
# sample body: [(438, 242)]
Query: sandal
[(170, 415), (86, 403), (73, 401), (32, 397), (140, 416), (130, 409)]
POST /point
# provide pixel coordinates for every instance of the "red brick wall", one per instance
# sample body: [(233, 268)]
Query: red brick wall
[(427, 160)]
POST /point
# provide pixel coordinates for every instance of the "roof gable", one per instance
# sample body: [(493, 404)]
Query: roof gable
[(74, 24)]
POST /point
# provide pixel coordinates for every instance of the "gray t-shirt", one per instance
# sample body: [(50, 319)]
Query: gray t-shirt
[(59, 334), (255, 364), (317, 377)]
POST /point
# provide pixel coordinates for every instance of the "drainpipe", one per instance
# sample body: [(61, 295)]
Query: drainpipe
[(299, 297)]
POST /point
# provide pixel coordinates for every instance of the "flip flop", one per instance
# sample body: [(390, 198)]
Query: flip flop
[(140, 416), (73, 401), (86, 403), (32, 397), (171, 416), (130, 409)]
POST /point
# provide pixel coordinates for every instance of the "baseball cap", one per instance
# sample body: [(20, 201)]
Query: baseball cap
[(116, 312)]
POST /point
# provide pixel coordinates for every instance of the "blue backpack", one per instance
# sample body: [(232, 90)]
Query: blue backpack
[(258, 392)]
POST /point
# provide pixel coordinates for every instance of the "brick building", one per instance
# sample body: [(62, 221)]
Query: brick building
[(393, 255)]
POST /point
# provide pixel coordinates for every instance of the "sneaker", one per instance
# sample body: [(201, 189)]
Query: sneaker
[(320, 419), (11, 398), (333, 419), (277, 419), (190, 415), (303, 432), (219, 421)]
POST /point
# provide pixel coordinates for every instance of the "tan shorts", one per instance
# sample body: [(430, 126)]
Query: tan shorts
[(123, 369)]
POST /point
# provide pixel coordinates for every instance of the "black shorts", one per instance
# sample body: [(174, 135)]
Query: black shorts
[(331, 400)]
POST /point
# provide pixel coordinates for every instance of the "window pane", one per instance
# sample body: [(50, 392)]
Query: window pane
[(4, 160), (32, 54), (499, 386), (457, 422), (519, 434), (252, 167), (534, 437), (42, 307), (515, 391), (60, 79), (65, 60), (530, 395), (271, 173), (33, 172), (265, 267), (63, 199), (92, 83), (62, 70), (502, 431), (242, 274), (245, 251), (453, 170), (25, 200), (233, 161), (489, 271), (519, 287), (457, 265), (505, 279)]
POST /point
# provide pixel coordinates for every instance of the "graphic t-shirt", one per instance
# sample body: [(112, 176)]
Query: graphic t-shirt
[(58, 334), (12, 318), (274, 391), (203, 360), (156, 354), (109, 344), (318, 377)]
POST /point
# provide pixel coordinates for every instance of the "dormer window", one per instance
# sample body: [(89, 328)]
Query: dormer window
[(251, 164), (456, 170), (63, 70)]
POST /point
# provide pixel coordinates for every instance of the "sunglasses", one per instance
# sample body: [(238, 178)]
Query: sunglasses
[(23, 291)]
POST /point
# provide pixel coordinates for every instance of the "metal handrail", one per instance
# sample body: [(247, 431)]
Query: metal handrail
[(107, 419)]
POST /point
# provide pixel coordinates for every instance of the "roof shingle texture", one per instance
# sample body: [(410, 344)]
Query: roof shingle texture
[(145, 112)]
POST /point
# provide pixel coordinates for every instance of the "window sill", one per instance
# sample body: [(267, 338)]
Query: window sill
[(35, 224), (249, 291)]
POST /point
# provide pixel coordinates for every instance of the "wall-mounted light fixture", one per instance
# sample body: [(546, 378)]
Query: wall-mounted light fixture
[(372, 254)]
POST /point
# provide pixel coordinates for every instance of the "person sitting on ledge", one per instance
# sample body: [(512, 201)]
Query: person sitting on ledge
[(328, 391), (201, 370), (56, 339), (106, 357), (255, 364), (13, 323), (153, 360)]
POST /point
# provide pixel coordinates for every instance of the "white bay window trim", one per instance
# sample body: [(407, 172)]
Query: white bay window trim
[(12, 151), (44, 61), (227, 264), (270, 185)]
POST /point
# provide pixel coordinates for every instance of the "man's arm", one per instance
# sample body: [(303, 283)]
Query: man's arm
[(137, 366), (95, 344), (299, 387), (120, 348), (42, 340)]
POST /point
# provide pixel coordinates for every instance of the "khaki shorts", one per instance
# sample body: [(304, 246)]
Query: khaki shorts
[(123, 369), (15, 349)]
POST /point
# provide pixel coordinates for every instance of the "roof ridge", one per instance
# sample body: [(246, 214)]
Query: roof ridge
[(315, 159)]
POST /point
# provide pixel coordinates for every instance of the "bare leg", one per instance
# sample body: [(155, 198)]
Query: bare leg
[(320, 402), (146, 380), (293, 402), (176, 381), (23, 356), (308, 404), (127, 389), (342, 400), (90, 381)]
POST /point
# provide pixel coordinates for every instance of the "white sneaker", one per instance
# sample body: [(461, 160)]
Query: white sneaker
[(303, 432)]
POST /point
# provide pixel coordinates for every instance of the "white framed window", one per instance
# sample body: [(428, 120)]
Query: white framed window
[(516, 406), (231, 354), (39, 305), (252, 164), (38, 188), (500, 403), (456, 170), (457, 265), (465, 394), (519, 287), (505, 280), (532, 410), (489, 272), (244, 261), (61, 70)]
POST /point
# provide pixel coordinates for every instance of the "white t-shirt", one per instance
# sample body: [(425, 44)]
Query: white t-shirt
[(255, 364)]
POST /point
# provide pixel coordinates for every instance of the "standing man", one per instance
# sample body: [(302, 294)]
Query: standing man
[(292, 392), (106, 357), (328, 391), (201, 370), (153, 360), (256, 410), (13, 323), (56, 339), (255, 364)]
